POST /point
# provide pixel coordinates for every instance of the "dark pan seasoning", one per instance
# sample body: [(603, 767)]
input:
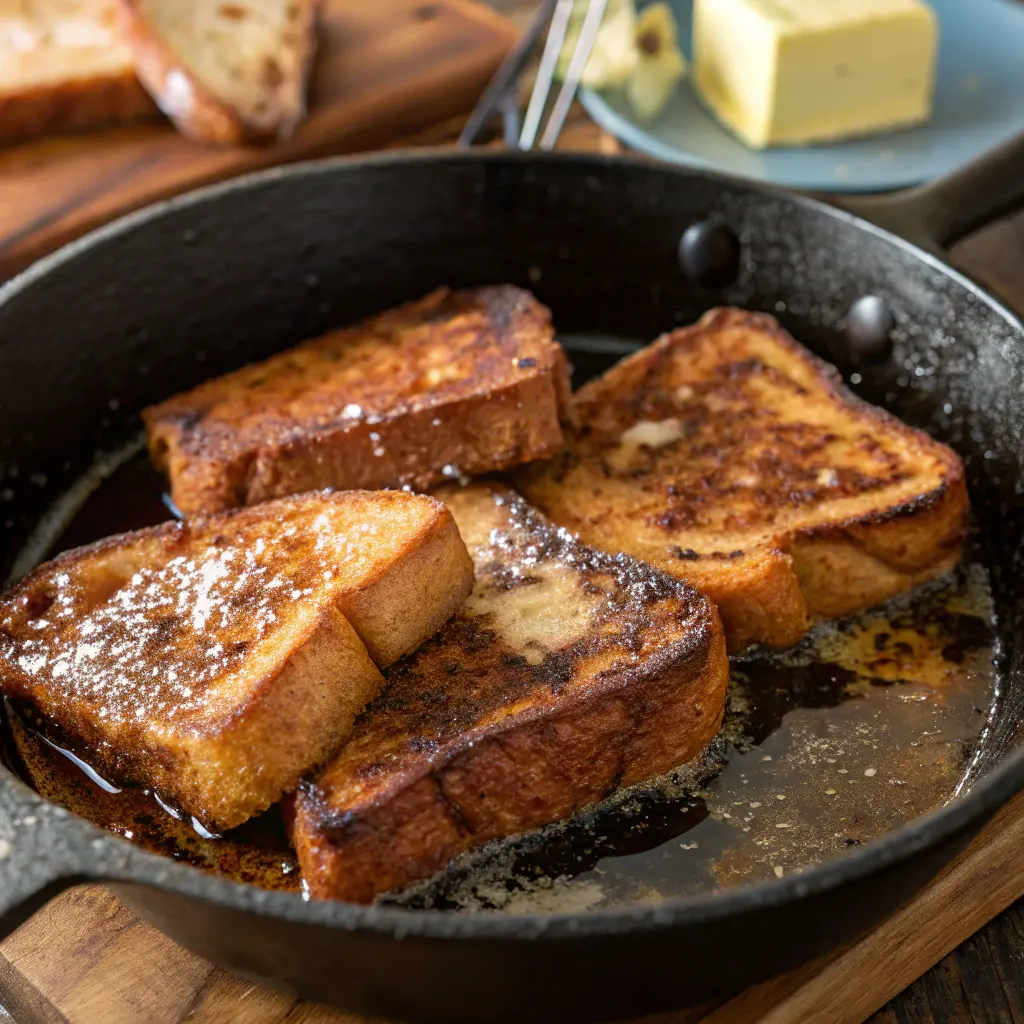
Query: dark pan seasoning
[(866, 724)]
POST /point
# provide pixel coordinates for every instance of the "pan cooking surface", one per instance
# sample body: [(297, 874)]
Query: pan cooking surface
[(865, 725)]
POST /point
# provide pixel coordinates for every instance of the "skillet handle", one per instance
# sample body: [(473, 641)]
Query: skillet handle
[(39, 856), (939, 213)]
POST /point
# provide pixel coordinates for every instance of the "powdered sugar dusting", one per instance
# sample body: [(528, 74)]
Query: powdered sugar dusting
[(542, 606), (138, 636)]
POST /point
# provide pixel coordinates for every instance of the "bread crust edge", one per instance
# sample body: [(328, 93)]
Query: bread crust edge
[(195, 110)]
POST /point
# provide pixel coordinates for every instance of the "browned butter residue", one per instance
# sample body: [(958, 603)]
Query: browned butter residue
[(865, 725), (257, 852), (915, 685)]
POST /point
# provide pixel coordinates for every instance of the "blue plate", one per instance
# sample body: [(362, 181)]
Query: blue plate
[(979, 102)]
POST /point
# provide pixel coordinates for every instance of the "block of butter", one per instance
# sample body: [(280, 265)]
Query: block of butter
[(791, 72)]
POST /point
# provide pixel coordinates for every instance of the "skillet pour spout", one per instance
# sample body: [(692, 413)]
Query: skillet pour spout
[(180, 292)]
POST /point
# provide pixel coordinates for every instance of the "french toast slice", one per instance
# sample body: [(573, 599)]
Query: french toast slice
[(457, 383), (566, 674), (729, 456), (218, 660)]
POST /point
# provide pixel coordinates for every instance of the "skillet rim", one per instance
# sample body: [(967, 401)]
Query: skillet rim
[(103, 856)]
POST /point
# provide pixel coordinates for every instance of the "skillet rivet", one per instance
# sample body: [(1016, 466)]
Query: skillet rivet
[(868, 325), (709, 253)]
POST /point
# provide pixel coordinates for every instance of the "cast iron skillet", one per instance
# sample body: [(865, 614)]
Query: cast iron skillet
[(179, 292)]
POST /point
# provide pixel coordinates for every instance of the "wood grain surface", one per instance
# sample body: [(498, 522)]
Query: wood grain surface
[(384, 69)]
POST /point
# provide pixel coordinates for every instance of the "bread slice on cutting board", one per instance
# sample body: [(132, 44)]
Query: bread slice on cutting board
[(217, 661), (728, 455), (63, 67), (224, 71)]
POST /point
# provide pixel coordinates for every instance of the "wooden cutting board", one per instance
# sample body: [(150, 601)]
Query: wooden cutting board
[(385, 69), (86, 959)]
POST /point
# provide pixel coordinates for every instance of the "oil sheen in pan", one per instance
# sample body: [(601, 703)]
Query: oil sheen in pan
[(866, 724)]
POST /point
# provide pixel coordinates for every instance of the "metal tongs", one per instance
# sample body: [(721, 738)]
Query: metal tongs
[(500, 94)]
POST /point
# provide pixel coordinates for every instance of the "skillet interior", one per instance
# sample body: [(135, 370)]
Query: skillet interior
[(819, 750), (201, 288)]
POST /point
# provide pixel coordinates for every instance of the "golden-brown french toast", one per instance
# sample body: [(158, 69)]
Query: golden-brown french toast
[(456, 383), (728, 455), (566, 674), (216, 661)]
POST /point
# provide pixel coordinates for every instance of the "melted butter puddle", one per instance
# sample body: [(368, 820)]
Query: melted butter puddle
[(108, 787), (90, 773), (865, 725), (257, 853), (197, 826)]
